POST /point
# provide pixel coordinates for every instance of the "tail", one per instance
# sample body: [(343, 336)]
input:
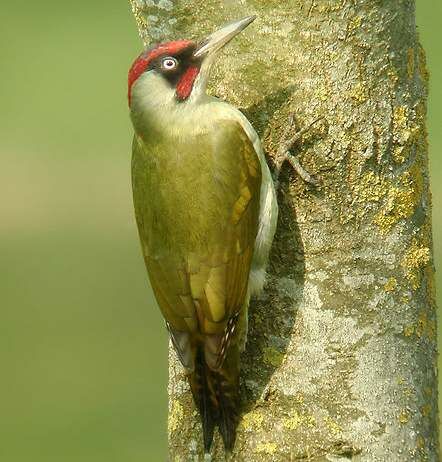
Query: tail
[(216, 394)]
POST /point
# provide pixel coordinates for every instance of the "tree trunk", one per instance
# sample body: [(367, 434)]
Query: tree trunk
[(341, 356)]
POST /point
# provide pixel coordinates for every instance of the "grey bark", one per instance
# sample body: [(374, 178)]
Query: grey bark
[(341, 356)]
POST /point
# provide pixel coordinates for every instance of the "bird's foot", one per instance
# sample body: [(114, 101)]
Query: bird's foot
[(287, 144)]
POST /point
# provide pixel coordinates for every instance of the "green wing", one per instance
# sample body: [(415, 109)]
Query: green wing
[(197, 210)]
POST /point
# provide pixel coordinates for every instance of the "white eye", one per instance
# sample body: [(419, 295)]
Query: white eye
[(169, 64)]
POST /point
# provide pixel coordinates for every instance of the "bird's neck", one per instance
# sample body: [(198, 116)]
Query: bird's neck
[(156, 110)]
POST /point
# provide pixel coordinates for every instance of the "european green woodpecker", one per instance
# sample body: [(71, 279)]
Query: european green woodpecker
[(206, 212)]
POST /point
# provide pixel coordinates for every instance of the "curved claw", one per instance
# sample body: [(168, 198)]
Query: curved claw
[(287, 143)]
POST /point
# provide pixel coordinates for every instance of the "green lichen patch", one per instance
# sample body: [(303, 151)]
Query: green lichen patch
[(426, 410), (272, 356)]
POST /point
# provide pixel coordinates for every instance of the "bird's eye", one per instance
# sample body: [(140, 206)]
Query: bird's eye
[(169, 64)]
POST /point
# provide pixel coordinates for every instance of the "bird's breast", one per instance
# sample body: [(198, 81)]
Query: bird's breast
[(181, 193)]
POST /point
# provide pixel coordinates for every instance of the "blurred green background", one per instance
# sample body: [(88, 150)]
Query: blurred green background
[(83, 351)]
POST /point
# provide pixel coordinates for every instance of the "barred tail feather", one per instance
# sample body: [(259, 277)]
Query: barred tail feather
[(216, 394), (199, 385)]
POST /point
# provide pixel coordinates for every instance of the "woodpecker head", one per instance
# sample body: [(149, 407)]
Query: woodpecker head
[(176, 72)]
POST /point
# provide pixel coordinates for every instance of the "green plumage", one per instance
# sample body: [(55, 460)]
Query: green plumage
[(197, 206)]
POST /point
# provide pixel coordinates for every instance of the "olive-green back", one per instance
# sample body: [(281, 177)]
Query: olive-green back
[(197, 207)]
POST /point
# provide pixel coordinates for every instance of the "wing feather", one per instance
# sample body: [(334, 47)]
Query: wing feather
[(198, 232)]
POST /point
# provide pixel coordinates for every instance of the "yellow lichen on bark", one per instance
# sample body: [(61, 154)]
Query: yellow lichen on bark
[(296, 420), (414, 261), (404, 416), (359, 93), (391, 285), (252, 420), (333, 426), (176, 414), (267, 448), (406, 130), (398, 198)]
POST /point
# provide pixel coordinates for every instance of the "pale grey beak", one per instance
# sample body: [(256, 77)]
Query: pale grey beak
[(214, 42)]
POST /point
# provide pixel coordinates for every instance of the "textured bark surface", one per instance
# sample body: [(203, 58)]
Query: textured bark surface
[(341, 356)]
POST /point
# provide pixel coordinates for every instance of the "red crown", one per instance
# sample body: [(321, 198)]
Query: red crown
[(145, 58)]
